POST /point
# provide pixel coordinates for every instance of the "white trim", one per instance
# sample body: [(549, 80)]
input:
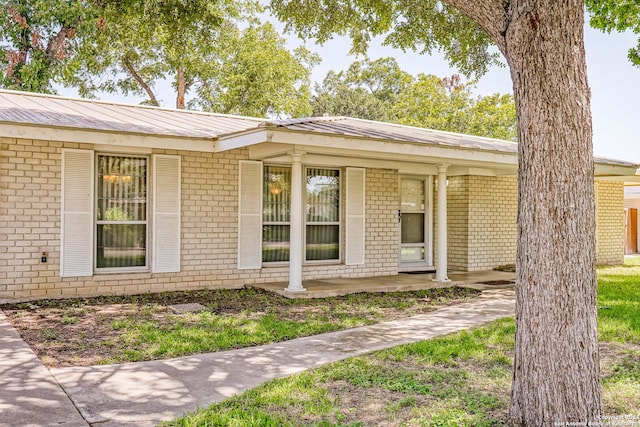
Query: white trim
[(355, 216), (296, 232), (427, 244), (441, 255), (250, 184), (339, 223), (166, 228), (119, 139), (78, 221)]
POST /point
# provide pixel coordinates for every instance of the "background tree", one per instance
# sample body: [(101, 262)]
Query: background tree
[(448, 104), (367, 90), (556, 373), (198, 46), (38, 38), (380, 90), (253, 73)]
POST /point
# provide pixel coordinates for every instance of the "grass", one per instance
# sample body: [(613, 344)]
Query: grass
[(462, 379), (118, 329), (193, 333)]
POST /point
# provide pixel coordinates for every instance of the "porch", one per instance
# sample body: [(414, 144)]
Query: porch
[(402, 282)]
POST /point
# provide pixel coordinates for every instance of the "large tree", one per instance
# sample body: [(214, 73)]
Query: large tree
[(253, 73), (199, 47), (556, 373), (38, 38), (216, 51)]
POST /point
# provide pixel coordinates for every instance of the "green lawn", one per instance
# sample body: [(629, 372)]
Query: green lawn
[(462, 379)]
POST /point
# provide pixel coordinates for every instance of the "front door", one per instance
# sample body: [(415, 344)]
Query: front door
[(415, 224), (631, 225)]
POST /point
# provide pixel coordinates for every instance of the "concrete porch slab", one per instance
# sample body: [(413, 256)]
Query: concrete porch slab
[(402, 282)]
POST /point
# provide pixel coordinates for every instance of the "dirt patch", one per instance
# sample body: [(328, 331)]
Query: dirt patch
[(88, 331)]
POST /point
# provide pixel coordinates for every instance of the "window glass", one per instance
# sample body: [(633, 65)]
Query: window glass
[(276, 213), (121, 235), (323, 214)]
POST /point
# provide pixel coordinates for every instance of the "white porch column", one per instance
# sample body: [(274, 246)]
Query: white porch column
[(441, 252), (296, 232)]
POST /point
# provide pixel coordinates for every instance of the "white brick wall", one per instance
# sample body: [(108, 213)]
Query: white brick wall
[(30, 173), (610, 222), (482, 214)]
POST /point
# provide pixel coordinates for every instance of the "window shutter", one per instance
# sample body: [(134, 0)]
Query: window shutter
[(166, 214), (355, 212), (76, 251), (250, 215)]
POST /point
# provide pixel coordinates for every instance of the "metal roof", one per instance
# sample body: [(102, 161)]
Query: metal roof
[(72, 113), (47, 110), (348, 126)]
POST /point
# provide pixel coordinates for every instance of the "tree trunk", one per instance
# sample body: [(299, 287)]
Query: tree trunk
[(152, 97), (182, 88), (556, 371)]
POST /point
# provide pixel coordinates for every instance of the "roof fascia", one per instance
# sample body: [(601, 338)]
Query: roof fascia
[(390, 149), (243, 139), (50, 133), (605, 171)]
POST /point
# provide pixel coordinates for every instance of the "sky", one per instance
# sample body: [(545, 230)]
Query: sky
[(614, 82)]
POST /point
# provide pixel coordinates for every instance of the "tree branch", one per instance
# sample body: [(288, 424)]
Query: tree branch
[(145, 86), (56, 45), (491, 15)]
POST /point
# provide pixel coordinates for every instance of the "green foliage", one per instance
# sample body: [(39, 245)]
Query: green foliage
[(420, 25), (617, 15), (367, 90), (39, 39), (127, 47), (142, 42), (380, 90), (199, 46), (253, 73)]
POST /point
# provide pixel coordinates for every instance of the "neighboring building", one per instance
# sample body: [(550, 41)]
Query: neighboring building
[(631, 206), (103, 198)]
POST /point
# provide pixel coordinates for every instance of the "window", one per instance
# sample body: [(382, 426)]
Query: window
[(276, 209), (323, 214), (106, 213), (322, 220), (121, 214)]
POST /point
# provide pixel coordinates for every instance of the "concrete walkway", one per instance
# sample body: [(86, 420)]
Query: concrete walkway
[(29, 395), (142, 394)]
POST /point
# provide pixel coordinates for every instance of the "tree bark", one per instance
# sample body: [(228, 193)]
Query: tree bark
[(556, 371), (152, 97), (182, 88)]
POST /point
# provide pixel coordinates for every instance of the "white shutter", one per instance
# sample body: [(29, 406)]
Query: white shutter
[(355, 212), (166, 214), (250, 215), (76, 246)]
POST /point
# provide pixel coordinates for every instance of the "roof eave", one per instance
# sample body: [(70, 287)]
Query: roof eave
[(106, 137)]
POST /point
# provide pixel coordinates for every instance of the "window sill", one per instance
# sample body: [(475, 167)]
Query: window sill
[(111, 271)]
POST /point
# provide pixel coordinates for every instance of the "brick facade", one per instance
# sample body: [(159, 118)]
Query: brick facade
[(610, 222), (30, 191), (481, 222), (482, 213), (481, 226)]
